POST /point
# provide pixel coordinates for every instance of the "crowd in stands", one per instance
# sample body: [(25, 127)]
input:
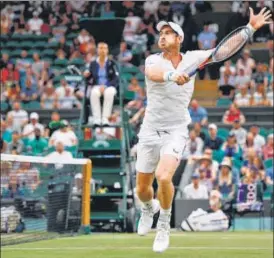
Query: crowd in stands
[(33, 73)]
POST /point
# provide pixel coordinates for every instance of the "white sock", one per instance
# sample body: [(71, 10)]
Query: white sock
[(165, 214), (148, 204)]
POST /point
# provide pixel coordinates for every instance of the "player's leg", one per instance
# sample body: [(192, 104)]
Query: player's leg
[(171, 153), (109, 94), (95, 104), (147, 159)]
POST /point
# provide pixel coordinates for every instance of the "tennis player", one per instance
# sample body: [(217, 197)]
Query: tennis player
[(164, 132)]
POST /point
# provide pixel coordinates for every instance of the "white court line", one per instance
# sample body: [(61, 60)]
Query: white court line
[(132, 248)]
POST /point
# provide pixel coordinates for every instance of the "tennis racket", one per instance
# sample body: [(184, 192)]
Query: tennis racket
[(227, 48)]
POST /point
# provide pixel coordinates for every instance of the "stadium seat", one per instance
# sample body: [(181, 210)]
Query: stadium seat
[(129, 95), (218, 155), (140, 76), (126, 76), (26, 44), (237, 163), (15, 53), (32, 51), (4, 106), (52, 44), (268, 192), (263, 132), (223, 102), (268, 163), (12, 45), (72, 36), (32, 105), (271, 131), (223, 132), (48, 52), (61, 62), (40, 44), (130, 69), (77, 62)]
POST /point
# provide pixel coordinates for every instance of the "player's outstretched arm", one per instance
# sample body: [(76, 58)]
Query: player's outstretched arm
[(157, 74)]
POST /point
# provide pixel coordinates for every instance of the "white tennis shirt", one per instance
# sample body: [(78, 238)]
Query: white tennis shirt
[(167, 102)]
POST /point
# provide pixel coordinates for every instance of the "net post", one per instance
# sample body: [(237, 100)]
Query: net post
[(85, 219)]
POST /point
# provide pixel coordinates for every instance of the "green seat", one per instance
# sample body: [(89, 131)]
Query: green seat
[(268, 163), (40, 44), (26, 44), (129, 95), (237, 163), (16, 53), (126, 76), (223, 132), (48, 52), (49, 60), (268, 192), (131, 69), (32, 51), (223, 102), (4, 106), (32, 105), (40, 38), (60, 62), (263, 132), (52, 44), (77, 61), (12, 44), (140, 76), (25, 141), (218, 155), (271, 131), (72, 36)]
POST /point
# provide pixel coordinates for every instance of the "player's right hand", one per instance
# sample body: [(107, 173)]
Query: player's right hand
[(182, 79)]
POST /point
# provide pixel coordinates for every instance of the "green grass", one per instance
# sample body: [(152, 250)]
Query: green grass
[(183, 245)]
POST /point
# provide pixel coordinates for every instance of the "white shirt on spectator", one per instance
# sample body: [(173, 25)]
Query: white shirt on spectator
[(241, 100), (192, 193), (198, 148), (151, 6), (19, 117), (258, 98), (131, 26), (61, 91), (241, 80), (57, 156), (259, 141), (30, 128), (269, 96), (240, 135), (67, 138), (35, 24)]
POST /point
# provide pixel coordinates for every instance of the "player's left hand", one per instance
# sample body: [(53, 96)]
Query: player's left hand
[(259, 20)]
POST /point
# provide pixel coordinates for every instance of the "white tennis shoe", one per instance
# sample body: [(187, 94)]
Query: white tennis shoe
[(161, 241), (146, 219)]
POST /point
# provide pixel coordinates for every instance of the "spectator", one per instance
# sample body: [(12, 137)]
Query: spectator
[(64, 46), (226, 89), (233, 114), (23, 63), (35, 24), (242, 79), (259, 140), (225, 182), (6, 24), (208, 152), (259, 97), (10, 74), (49, 98), (259, 77), (84, 37), (3, 145), (37, 66), (206, 40), (131, 27), (4, 60), (197, 113), (19, 116), (198, 131), (252, 176), (29, 93), (105, 82), (227, 69), (269, 176), (60, 154), (249, 160), (269, 94), (247, 62), (243, 98), (206, 164), (63, 89), (204, 180), (139, 97), (213, 142), (20, 25), (28, 130), (64, 135), (250, 144), (55, 118), (195, 190), (239, 132), (151, 7), (231, 148), (16, 146), (268, 148), (39, 144), (125, 55), (6, 134), (194, 146), (69, 100)]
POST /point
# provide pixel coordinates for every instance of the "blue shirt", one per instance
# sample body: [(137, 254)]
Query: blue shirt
[(102, 75), (206, 38), (197, 115), (269, 173)]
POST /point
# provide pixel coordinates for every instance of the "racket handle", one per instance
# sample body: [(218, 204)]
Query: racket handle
[(192, 73)]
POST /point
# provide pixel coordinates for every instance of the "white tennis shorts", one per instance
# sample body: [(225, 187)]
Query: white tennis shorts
[(153, 144)]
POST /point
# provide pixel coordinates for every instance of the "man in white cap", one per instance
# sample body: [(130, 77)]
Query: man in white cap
[(28, 130), (164, 131)]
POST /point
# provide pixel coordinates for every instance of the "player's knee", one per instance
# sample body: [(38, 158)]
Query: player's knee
[(95, 92), (163, 178), (109, 92)]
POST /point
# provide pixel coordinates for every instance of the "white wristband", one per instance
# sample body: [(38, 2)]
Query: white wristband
[(251, 30), (167, 76)]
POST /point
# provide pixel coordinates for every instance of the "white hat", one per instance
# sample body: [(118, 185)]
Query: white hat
[(177, 28), (34, 115), (212, 126)]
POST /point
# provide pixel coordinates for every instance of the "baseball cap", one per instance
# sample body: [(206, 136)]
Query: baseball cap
[(173, 26), (195, 176), (34, 115), (212, 126)]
